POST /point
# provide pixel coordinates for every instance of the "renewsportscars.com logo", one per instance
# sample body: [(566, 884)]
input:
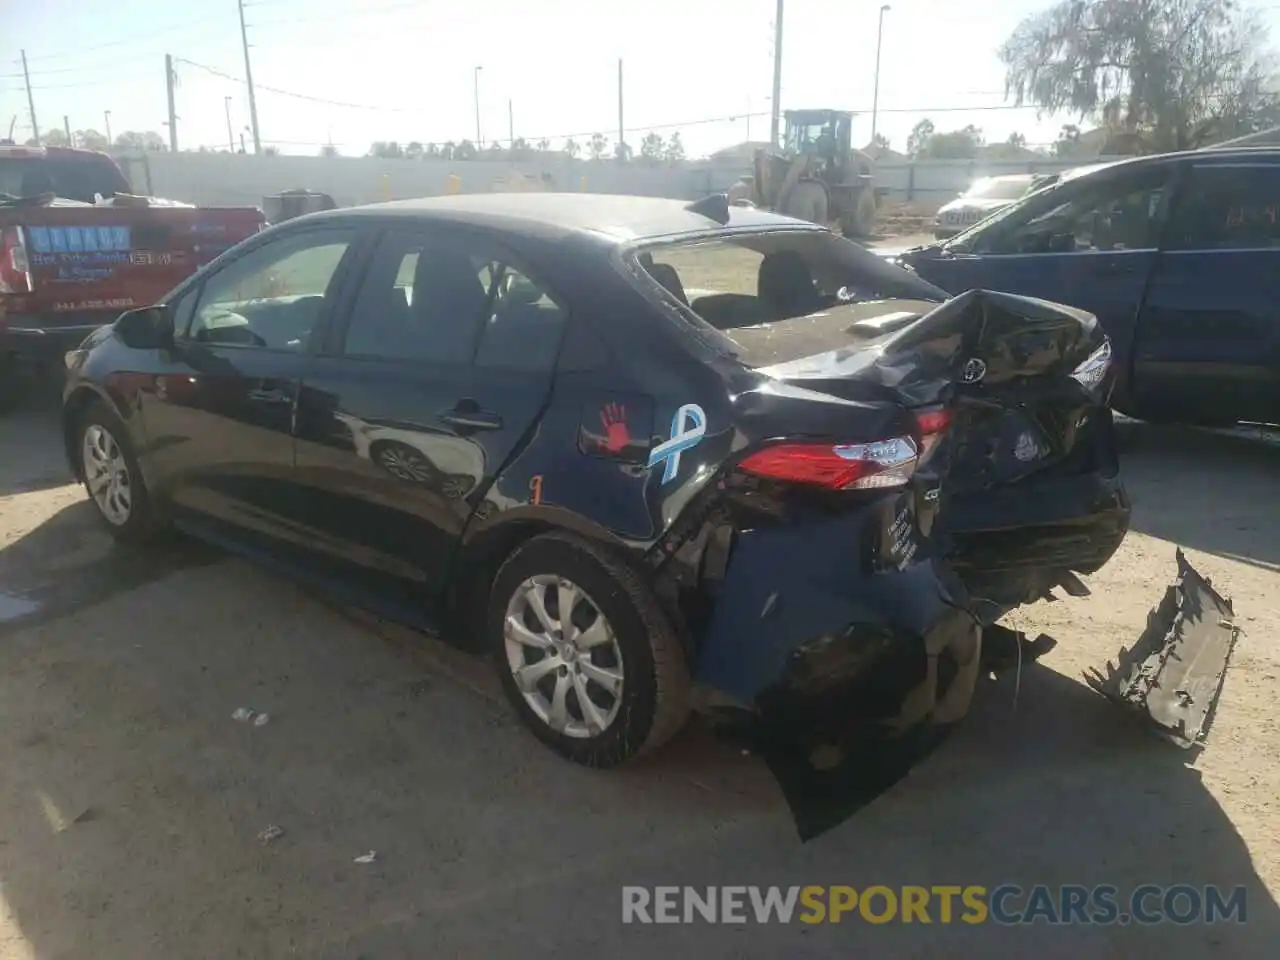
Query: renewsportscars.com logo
[(1007, 904)]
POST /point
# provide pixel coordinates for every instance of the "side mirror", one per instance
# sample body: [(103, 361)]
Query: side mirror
[(147, 328)]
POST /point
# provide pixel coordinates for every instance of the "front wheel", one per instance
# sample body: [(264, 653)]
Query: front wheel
[(585, 653), (113, 478)]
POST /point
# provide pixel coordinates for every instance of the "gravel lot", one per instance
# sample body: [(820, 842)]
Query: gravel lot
[(131, 801)]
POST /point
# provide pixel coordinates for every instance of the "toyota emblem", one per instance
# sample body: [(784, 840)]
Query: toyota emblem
[(974, 370)]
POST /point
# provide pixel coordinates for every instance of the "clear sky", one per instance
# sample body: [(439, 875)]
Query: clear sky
[(407, 67)]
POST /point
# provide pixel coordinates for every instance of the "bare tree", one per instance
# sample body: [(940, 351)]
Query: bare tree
[(1181, 73), (652, 148), (673, 153), (920, 135)]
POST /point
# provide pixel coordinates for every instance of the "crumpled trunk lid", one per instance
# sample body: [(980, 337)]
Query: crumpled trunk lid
[(1002, 363)]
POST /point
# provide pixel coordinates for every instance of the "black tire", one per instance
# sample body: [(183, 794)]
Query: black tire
[(145, 523), (654, 702)]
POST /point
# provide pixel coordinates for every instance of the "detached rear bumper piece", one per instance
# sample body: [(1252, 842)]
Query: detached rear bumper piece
[(1173, 675)]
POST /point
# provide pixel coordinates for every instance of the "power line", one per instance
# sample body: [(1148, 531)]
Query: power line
[(361, 13), (133, 38), (729, 118)]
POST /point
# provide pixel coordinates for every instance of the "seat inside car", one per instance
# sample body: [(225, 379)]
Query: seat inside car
[(785, 286), (448, 306)]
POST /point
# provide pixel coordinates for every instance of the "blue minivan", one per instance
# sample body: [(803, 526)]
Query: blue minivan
[(1178, 256)]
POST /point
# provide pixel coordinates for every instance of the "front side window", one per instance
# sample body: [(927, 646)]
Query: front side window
[(1226, 208), (273, 296), (1110, 214)]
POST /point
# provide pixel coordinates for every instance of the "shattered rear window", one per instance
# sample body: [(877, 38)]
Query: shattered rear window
[(769, 279)]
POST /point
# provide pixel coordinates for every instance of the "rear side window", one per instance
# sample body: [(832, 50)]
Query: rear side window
[(1226, 208), (433, 302)]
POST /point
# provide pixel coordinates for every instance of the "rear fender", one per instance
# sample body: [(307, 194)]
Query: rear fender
[(813, 581)]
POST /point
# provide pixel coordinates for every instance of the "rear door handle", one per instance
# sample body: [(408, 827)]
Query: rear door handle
[(270, 396), (471, 418)]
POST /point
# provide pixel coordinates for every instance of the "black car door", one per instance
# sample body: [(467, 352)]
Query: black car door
[(220, 413), (437, 375), (1208, 338)]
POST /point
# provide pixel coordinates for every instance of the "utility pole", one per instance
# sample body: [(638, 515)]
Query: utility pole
[(777, 74), (231, 140), (248, 79), (475, 85), (106, 115), (511, 124), (31, 103), (66, 125), (169, 79), (622, 130), (875, 96)]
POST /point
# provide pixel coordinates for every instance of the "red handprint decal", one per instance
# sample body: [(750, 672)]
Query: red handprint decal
[(616, 435)]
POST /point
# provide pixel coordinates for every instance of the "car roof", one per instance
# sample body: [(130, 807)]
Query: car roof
[(616, 219), (1208, 155), (14, 150)]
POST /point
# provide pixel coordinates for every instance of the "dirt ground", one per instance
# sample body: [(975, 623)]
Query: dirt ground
[(131, 802)]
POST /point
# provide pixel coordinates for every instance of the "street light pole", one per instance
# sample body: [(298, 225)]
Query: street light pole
[(106, 115), (476, 84), (777, 74), (875, 95), (231, 139)]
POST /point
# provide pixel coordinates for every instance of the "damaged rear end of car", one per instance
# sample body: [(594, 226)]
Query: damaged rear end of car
[(906, 471)]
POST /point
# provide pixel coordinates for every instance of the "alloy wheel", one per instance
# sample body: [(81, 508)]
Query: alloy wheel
[(405, 464), (564, 656), (107, 474)]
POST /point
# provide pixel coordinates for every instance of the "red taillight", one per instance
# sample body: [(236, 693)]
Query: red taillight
[(932, 423), (854, 466), (15, 272)]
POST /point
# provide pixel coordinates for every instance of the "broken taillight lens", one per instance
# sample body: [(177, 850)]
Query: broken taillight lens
[(853, 466), (15, 272), (932, 423)]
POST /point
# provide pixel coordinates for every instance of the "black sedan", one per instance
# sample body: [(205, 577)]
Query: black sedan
[(650, 454)]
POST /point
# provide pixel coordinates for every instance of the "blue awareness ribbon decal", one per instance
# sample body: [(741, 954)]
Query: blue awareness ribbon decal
[(688, 426)]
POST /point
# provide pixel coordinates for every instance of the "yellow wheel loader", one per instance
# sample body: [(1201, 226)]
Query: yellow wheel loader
[(817, 176)]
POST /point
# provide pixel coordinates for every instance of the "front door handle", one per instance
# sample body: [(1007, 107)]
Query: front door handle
[(468, 416)]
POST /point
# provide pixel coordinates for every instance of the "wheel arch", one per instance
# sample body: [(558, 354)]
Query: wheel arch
[(486, 547)]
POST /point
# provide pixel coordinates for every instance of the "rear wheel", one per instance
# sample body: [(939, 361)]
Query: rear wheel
[(585, 653), (113, 479)]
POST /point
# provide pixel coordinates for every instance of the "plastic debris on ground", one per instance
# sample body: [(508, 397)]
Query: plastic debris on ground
[(369, 857), (1173, 675), (248, 715), (270, 834)]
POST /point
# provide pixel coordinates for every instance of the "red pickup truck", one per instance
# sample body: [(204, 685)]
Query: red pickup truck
[(77, 249)]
